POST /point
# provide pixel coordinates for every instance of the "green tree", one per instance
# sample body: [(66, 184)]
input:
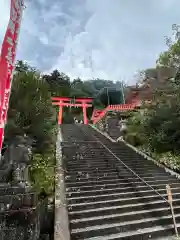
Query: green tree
[(30, 109), (59, 83), (31, 113), (171, 57)]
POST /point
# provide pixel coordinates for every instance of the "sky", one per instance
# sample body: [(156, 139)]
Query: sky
[(108, 39)]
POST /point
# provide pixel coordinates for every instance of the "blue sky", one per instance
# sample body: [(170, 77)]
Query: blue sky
[(109, 39)]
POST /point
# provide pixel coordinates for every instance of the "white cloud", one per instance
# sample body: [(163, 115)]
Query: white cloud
[(94, 38), (44, 40), (121, 38)]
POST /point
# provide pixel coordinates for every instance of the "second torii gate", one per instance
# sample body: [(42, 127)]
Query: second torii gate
[(67, 102)]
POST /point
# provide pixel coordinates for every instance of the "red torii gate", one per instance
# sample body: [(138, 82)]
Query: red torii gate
[(67, 102)]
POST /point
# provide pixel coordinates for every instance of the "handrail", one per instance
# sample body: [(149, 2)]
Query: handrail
[(117, 107), (142, 180), (101, 115), (131, 170)]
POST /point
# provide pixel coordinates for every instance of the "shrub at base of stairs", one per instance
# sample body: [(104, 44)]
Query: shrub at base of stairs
[(168, 159), (134, 139), (43, 173)]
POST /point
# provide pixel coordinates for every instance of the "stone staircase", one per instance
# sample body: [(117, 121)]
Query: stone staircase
[(113, 192), (113, 127), (110, 125)]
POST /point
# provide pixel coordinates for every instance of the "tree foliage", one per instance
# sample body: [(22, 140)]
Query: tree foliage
[(30, 110), (156, 130), (59, 83), (156, 127), (31, 113), (171, 57)]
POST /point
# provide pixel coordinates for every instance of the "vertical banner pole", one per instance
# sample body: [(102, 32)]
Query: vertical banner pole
[(7, 59), (170, 200)]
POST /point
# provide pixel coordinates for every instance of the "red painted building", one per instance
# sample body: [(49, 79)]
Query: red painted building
[(154, 80)]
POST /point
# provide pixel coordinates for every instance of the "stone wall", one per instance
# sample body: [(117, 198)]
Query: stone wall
[(22, 215)]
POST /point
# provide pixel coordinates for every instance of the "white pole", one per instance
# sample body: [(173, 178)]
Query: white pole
[(122, 91)]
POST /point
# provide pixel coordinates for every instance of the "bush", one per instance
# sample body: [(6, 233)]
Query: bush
[(42, 172), (31, 113), (157, 132)]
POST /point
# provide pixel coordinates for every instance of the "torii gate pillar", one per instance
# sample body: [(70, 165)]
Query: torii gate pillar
[(85, 115), (60, 113), (84, 102)]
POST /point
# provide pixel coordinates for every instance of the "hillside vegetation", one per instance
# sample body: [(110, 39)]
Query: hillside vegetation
[(155, 130)]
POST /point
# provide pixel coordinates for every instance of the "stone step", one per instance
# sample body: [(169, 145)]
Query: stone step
[(122, 227), (79, 192), (91, 169), (124, 201), (109, 196), (121, 209), (121, 217), (131, 202), (145, 234), (121, 184), (136, 165), (88, 166), (89, 181), (85, 165), (112, 175)]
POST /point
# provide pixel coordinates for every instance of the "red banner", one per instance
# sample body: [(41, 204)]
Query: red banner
[(7, 58)]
